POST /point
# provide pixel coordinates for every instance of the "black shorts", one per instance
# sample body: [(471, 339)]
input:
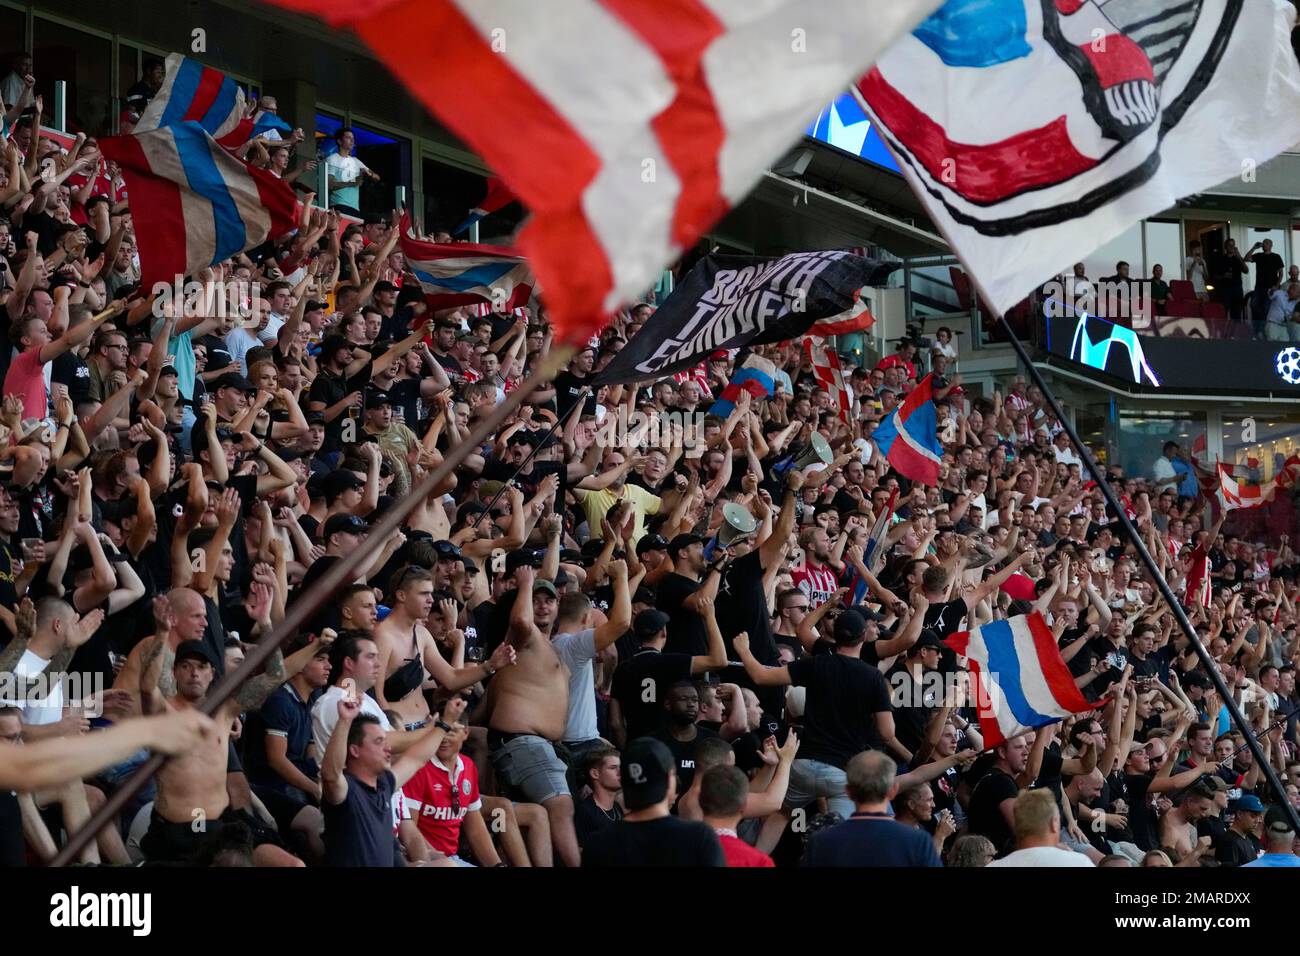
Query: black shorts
[(282, 807), (167, 842)]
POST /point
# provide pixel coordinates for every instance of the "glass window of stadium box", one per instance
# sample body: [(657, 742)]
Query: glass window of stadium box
[(13, 27), (1142, 432), (1256, 445), (1164, 247), (84, 62), (388, 155), (1126, 247), (451, 191)]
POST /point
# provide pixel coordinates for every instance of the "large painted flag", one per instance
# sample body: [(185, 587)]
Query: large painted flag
[(498, 197), (1236, 493), (908, 440), (1120, 107), (1018, 677), (192, 92), (826, 369), (626, 127), (194, 203), (756, 375), (462, 273)]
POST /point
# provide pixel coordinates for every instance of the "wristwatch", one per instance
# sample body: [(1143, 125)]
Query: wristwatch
[(443, 726), (488, 669)]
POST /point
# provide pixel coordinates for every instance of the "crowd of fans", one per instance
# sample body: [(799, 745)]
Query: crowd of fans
[(679, 647)]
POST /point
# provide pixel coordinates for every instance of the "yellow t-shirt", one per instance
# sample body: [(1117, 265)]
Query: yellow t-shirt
[(596, 504)]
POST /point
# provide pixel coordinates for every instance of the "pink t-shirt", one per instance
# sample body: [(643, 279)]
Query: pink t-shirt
[(26, 378)]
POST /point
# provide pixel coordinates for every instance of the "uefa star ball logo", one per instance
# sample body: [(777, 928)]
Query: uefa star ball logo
[(1288, 365)]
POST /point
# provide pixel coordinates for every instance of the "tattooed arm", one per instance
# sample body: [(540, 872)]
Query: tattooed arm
[(24, 626)]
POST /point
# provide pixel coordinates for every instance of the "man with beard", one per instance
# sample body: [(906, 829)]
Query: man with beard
[(816, 578), (193, 786), (528, 708)]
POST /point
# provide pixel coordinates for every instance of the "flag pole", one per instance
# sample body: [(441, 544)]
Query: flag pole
[(1085, 455), (315, 596)]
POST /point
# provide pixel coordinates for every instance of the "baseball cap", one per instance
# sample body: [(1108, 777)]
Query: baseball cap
[(1250, 804), (683, 541), (647, 764), (314, 305), (849, 627), (344, 524), (376, 399), (928, 638), (194, 651), (446, 551), (315, 418), (520, 557), (649, 623), (643, 595), (337, 482), (541, 584), (651, 542), (232, 380)]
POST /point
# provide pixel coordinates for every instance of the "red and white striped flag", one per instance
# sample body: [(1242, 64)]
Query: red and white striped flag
[(857, 318), (626, 127), (827, 371), (1234, 493)]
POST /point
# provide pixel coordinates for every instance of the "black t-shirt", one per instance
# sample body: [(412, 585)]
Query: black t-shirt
[(567, 387), (359, 831), (589, 819), (844, 696), (640, 686), (405, 394), (985, 810), (913, 706), (71, 370), (684, 754), (1233, 849), (1132, 789), (666, 841), (686, 631), (1268, 270)]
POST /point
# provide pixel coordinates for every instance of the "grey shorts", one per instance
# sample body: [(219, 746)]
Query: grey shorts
[(529, 764)]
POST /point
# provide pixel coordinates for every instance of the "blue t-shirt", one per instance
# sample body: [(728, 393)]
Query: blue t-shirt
[(1187, 484), (871, 839), (1276, 859)]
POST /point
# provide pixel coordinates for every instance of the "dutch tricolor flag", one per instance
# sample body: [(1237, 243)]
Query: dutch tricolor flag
[(463, 273), (1018, 678), (192, 92)]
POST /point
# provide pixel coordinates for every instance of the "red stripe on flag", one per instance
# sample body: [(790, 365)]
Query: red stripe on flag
[(690, 131), (156, 204), (986, 172), (859, 323), (277, 197), (238, 136), (546, 162), (1057, 675), (205, 94), (990, 730)]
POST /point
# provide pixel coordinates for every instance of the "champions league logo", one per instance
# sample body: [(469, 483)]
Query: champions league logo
[(1095, 353), (1287, 364)]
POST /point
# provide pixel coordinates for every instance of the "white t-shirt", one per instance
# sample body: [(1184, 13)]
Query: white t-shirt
[(274, 323), (1043, 856), (38, 712), (325, 716), (1196, 273), (1162, 469)]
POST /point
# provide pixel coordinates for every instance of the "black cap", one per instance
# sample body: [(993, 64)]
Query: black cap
[(520, 557), (315, 418), (169, 370), (446, 551), (315, 306), (651, 542), (683, 541), (649, 623), (647, 764), (194, 651), (643, 595), (376, 399), (849, 627), (233, 380), (344, 524), (928, 638), (337, 482)]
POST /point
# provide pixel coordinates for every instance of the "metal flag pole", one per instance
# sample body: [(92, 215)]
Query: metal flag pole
[(315, 596), (1085, 455), (582, 399)]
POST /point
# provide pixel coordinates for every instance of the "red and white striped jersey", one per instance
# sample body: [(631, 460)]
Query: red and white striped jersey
[(818, 583), (438, 803)]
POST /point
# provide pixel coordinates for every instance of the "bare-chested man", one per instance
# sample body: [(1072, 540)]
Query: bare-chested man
[(192, 787), (407, 650), (529, 707), (189, 617), (1178, 827)]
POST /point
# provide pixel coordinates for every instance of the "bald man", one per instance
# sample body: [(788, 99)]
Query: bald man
[(189, 619)]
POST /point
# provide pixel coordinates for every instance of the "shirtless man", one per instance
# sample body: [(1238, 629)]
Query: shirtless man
[(1178, 827), (192, 787), (407, 650), (529, 707), (187, 616)]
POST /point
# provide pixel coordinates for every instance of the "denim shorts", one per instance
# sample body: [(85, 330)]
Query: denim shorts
[(529, 764), (810, 779)]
